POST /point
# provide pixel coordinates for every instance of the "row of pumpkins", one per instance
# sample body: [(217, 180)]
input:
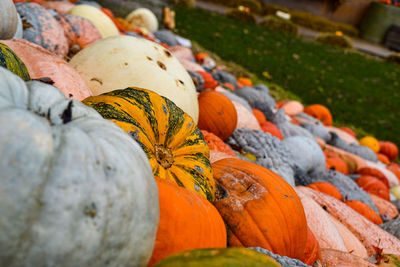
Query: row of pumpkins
[(122, 148)]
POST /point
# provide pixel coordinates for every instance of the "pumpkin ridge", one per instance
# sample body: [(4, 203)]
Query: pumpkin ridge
[(261, 231), (176, 120)]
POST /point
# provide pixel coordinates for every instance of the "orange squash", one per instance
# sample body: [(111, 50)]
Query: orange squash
[(259, 115), (349, 131), (395, 169), (389, 149), (383, 158), (247, 199), (374, 186), (311, 252), (320, 112), (327, 188), (187, 221), (364, 210), (215, 143), (335, 162), (335, 258), (368, 171), (209, 81), (269, 127), (242, 81), (358, 161), (217, 114), (386, 208)]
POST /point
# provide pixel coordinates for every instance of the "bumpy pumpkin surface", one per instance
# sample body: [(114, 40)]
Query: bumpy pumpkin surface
[(187, 221), (246, 195), (228, 257), (75, 189), (43, 29), (10, 61), (174, 145)]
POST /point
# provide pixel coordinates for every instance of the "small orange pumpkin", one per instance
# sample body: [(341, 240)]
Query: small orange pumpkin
[(217, 114), (327, 188), (209, 81), (320, 112), (259, 115), (386, 208), (242, 81), (334, 161), (349, 131), (395, 168), (375, 173), (383, 158), (269, 127), (389, 149), (364, 210), (215, 143), (374, 186)]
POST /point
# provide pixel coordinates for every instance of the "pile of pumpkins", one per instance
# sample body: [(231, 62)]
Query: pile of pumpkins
[(121, 147)]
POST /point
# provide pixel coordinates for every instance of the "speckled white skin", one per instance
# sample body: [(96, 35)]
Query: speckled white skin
[(8, 18), (80, 193)]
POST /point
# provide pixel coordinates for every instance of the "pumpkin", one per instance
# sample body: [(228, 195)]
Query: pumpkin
[(311, 252), (292, 108), (245, 118), (389, 149), (326, 188), (375, 173), (383, 158), (242, 81), (392, 226), (9, 19), (317, 129), (335, 162), (10, 61), (201, 56), (216, 155), (174, 145), (143, 17), (390, 176), (386, 208), (41, 63), (349, 131), (209, 82), (367, 232), (247, 194), (269, 127), (103, 23), (259, 115), (374, 186), (353, 245), (395, 169), (351, 163), (345, 136), (335, 258), (126, 61), (187, 221), (319, 112), (217, 114), (179, 51), (370, 142), (43, 29), (395, 191), (76, 190), (224, 257), (364, 210), (80, 32), (215, 143), (389, 260), (321, 224), (60, 6), (354, 161)]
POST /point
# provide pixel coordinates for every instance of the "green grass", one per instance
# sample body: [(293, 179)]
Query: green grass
[(359, 90)]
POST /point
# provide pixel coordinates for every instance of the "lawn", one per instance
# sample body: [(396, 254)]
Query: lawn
[(359, 90)]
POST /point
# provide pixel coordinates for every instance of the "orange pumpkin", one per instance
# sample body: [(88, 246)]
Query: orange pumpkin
[(217, 114), (395, 168), (293, 107), (320, 112), (209, 81), (269, 127), (375, 173), (42, 63), (383, 158), (336, 258), (311, 252), (349, 131), (335, 162), (327, 188), (389, 149), (187, 221), (242, 81), (386, 208), (259, 115), (374, 186), (200, 57), (247, 199), (215, 143), (364, 210)]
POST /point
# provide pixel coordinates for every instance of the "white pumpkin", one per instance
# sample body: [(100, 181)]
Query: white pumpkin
[(124, 61), (143, 17), (8, 19), (75, 189), (100, 20)]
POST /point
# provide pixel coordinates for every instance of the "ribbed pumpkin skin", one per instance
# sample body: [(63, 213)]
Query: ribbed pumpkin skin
[(326, 188), (247, 194), (389, 149), (187, 221), (45, 30), (374, 186), (320, 112), (174, 145), (375, 173), (228, 257), (395, 168), (269, 127), (215, 143), (334, 161), (364, 210), (383, 158), (259, 115), (386, 208), (10, 61), (217, 114), (311, 252)]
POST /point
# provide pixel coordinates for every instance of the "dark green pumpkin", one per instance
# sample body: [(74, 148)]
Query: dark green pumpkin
[(218, 257), (10, 61)]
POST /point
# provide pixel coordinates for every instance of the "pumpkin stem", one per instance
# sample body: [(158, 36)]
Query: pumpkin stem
[(164, 156)]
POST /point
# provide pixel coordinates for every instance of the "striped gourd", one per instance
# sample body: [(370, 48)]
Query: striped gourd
[(10, 61), (174, 145)]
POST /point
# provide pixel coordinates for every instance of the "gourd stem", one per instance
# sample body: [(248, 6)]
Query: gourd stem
[(164, 156)]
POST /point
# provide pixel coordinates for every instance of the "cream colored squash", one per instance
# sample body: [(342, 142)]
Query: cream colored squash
[(395, 191), (143, 17), (8, 19), (76, 190), (245, 119), (102, 22), (123, 61)]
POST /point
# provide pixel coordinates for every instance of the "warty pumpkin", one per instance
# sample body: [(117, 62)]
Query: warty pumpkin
[(364, 210), (126, 61), (247, 194), (319, 112), (217, 114), (10, 61), (174, 145), (42, 63), (75, 189), (187, 221), (389, 149), (326, 188), (42, 28), (8, 18), (374, 186)]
